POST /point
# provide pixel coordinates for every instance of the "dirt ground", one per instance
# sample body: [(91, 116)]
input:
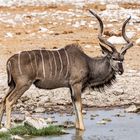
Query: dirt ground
[(27, 35), (54, 26)]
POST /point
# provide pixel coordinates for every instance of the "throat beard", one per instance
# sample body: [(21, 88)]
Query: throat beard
[(105, 82)]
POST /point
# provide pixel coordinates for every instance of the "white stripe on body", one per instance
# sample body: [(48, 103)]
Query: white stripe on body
[(43, 65), (61, 63), (67, 63), (36, 68), (30, 60), (55, 68), (50, 63), (19, 65)]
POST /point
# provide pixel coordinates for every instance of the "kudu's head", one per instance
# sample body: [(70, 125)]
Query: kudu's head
[(116, 58)]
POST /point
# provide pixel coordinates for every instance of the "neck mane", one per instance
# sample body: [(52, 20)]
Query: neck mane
[(101, 73)]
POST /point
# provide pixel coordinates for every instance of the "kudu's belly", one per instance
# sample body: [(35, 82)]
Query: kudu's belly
[(50, 84)]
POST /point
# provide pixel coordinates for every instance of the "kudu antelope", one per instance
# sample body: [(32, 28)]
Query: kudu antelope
[(67, 67)]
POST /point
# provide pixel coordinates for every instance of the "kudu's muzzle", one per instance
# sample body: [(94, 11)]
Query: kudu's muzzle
[(121, 70)]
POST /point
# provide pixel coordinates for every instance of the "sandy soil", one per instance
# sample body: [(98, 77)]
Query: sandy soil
[(27, 35), (28, 27)]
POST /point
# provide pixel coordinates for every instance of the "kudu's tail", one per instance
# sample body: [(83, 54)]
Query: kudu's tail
[(9, 73)]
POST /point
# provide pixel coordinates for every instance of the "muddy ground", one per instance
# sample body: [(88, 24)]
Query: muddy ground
[(54, 26)]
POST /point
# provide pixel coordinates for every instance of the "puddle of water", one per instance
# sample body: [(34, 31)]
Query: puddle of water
[(120, 128)]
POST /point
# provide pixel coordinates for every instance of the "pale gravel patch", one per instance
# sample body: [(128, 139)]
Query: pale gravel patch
[(124, 91)]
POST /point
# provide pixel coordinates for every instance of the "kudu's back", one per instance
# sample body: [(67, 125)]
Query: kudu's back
[(49, 69)]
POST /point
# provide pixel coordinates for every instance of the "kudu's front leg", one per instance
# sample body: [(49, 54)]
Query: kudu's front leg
[(77, 104)]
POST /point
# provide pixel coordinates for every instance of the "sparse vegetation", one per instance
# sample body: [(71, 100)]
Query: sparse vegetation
[(5, 136), (28, 130)]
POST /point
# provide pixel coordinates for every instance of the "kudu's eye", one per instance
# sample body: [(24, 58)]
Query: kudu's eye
[(115, 59)]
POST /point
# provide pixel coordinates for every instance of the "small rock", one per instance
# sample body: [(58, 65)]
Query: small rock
[(24, 98), (112, 33), (90, 26), (119, 40), (68, 124), (130, 34), (138, 29), (138, 41), (38, 123), (27, 113), (3, 129), (92, 118), (67, 32), (112, 6), (102, 122), (8, 34), (76, 24), (132, 71), (94, 115), (107, 119), (132, 109), (43, 100), (43, 29), (109, 25), (16, 137), (119, 115), (118, 92), (64, 131), (98, 47), (68, 114), (88, 46), (22, 109), (49, 120), (83, 22), (92, 22), (40, 110), (116, 40), (84, 112), (18, 119), (50, 32)]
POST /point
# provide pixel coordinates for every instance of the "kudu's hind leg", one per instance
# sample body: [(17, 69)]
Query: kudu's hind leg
[(77, 103), (3, 103), (12, 98)]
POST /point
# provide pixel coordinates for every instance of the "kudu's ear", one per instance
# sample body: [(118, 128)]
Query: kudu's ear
[(105, 51)]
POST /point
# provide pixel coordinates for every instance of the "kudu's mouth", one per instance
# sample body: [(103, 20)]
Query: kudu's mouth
[(120, 72)]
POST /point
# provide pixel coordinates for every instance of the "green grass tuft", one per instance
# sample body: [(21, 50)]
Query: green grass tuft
[(5, 136), (19, 130), (28, 130), (51, 130)]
